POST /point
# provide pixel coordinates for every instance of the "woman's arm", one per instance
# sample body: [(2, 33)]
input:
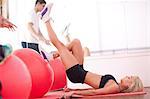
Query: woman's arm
[(113, 88)]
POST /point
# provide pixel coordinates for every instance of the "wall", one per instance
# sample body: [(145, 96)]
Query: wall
[(99, 24)]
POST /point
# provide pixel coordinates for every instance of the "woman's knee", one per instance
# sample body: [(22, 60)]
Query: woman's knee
[(76, 42)]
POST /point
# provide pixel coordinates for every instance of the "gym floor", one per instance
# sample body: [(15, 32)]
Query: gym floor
[(145, 96), (59, 95)]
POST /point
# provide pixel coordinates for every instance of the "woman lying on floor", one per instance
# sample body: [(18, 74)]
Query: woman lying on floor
[(73, 62)]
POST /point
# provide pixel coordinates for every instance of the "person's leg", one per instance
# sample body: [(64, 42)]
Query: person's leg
[(67, 58), (76, 49), (34, 46), (24, 44), (86, 51)]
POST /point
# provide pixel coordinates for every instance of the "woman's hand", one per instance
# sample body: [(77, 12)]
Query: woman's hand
[(4, 23), (84, 92)]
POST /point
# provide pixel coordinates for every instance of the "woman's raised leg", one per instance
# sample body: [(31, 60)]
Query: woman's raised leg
[(67, 58), (76, 49)]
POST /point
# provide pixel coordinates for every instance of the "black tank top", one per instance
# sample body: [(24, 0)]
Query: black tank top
[(105, 79)]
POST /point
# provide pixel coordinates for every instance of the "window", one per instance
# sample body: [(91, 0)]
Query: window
[(123, 24)]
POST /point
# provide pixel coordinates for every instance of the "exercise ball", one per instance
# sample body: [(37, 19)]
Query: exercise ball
[(41, 73), (59, 74), (15, 78)]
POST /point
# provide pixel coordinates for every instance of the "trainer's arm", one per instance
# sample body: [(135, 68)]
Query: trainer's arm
[(39, 35)]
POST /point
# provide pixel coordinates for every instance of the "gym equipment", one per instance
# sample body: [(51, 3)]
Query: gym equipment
[(15, 78), (41, 73), (60, 80)]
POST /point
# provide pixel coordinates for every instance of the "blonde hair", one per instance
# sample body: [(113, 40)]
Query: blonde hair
[(136, 85)]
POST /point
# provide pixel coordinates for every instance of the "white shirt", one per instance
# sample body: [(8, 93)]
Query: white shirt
[(34, 19)]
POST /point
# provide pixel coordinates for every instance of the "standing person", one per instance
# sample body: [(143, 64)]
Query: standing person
[(35, 36)]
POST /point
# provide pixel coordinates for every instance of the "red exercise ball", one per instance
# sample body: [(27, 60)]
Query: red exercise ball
[(15, 78), (60, 80), (41, 73)]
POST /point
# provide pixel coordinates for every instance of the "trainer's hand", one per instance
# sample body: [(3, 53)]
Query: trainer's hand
[(47, 42), (55, 55)]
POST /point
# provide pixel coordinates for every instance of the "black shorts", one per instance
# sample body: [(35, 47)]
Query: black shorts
[(76, 74), (33, 46)]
